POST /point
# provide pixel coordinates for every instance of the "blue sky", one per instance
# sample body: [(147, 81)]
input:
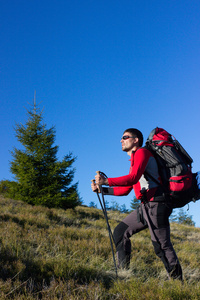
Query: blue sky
[(99, 67)]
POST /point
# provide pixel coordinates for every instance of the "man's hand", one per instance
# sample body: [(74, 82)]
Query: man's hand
[(100, 179), (95, 187)]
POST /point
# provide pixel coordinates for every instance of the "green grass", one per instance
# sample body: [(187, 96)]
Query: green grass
[(57, 254)]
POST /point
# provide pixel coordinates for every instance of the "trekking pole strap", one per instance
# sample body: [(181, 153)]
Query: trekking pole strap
[(102, 173)]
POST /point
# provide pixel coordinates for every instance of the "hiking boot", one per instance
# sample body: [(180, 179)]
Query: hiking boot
[(123, 260), (176, 272)]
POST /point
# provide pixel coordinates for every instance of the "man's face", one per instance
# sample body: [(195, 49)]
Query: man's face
[(128, 141)]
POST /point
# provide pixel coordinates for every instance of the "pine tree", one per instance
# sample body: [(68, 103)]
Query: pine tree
[(40, 178), (182, 218), (185, 218), (134, 203)]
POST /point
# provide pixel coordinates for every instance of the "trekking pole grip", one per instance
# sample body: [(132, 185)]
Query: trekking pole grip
[(97, 190), (98, 173)]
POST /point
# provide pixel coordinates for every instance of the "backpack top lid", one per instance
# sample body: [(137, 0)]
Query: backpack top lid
[(160, 137)]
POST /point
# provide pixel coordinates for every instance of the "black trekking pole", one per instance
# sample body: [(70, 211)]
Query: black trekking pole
[(103, 206)]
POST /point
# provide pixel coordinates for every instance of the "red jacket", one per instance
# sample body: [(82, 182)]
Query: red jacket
[(141, 160)]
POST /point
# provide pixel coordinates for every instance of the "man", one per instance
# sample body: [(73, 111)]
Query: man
[(154, 210)]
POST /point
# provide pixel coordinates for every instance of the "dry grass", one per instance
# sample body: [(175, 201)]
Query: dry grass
[(58, 254)]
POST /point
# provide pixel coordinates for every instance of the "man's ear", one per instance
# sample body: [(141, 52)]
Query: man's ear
[(137, 140)]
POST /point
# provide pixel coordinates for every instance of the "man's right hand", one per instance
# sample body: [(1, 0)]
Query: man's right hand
[(100, 179)]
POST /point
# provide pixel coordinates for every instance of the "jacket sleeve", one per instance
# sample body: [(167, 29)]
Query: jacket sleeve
[(117, 191), (141, 158), (122, 190)]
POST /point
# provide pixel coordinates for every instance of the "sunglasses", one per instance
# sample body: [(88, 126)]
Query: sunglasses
[(126, 137)]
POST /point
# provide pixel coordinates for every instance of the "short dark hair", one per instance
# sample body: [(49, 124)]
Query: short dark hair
[(137, 133)]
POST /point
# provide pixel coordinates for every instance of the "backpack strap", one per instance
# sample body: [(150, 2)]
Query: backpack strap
[(158, 182), (154, 179)]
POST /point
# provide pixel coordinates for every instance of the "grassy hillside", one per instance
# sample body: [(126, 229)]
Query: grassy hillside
[(56, 254)]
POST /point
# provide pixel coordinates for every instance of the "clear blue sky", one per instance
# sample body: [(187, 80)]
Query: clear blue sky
[(99, 67)]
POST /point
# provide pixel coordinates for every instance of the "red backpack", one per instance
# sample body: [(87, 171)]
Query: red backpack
[(174, 165)]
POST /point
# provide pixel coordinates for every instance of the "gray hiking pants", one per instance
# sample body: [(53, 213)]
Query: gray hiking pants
[(155, 216)]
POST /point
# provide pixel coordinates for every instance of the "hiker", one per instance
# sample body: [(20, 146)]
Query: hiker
[(152, 213)]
